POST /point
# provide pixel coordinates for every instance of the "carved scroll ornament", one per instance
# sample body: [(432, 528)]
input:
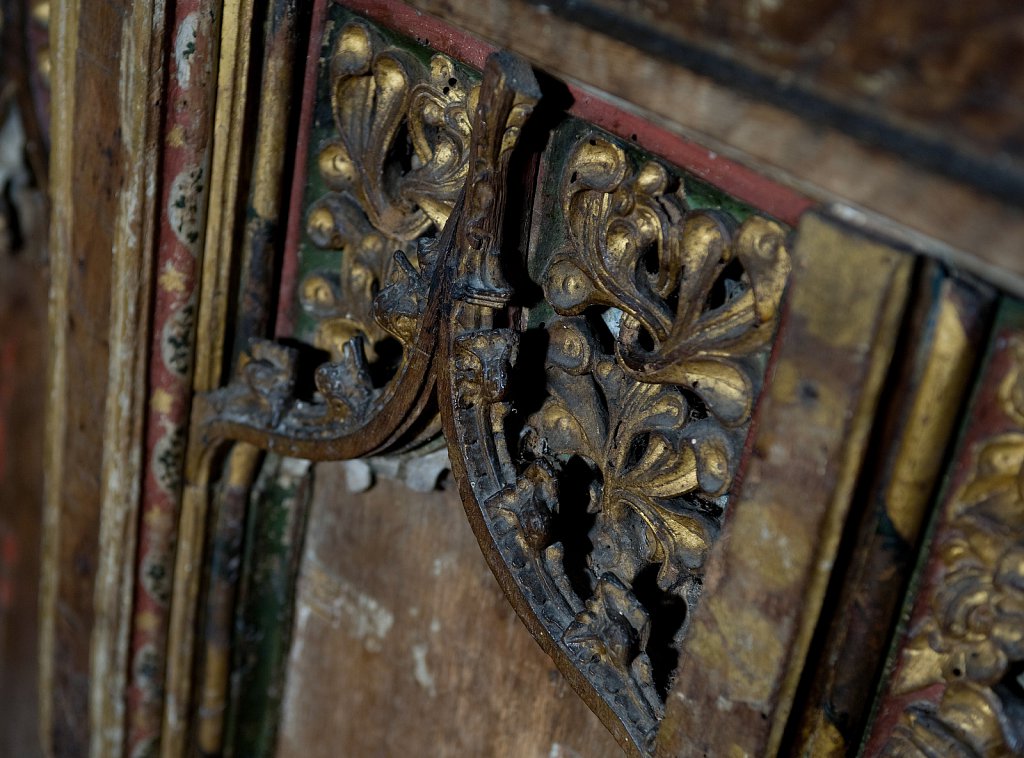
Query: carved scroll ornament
[(970, 642), (597, 485)]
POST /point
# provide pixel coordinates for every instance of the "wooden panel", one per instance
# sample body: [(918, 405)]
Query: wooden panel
[(107, 78), (405, 645), (90, 152), (916, 75), (821, 161), (766, 579)]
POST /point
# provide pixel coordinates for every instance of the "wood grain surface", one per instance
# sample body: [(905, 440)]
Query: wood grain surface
[(405, 645), (966, 224)]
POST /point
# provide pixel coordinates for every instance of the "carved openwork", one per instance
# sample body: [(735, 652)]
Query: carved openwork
[(392, 173), (600, 495), (595, 392), (389, 173)]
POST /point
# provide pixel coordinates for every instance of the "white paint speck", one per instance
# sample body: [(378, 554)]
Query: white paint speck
[(423, 676), (185, 48), (345, 607), (443, 562), (558, 750)]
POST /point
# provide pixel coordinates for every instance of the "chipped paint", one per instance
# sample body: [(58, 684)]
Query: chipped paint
[(423, 676), (345, 607), (185, 49)]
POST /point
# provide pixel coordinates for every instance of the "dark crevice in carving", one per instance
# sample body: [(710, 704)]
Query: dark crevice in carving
[(307, 360), (728, 285), (400, 157), (573, 521), (668, 612), (1010, 691), (389, 357), (698, 410), (530, 382)]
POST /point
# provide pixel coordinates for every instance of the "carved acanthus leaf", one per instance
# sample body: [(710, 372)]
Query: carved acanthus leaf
[(636, 247), (394, 168), (403, 134)]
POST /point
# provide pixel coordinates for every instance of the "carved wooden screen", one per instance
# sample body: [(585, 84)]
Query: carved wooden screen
[(697, 418)]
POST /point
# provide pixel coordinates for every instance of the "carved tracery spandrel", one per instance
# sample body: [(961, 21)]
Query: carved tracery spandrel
[(392, 170), (595, 501), (602, 506)]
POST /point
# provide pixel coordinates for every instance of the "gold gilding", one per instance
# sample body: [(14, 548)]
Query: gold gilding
[(969, 640), (929, 423), (377, 201)]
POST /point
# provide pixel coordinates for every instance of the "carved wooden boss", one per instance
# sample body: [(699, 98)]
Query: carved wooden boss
[(594, 353)]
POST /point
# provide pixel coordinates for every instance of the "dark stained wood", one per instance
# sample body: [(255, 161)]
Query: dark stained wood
[(106, 81), (22, 361), (823, 162), (96, 160), (917, 76), (404, 643)]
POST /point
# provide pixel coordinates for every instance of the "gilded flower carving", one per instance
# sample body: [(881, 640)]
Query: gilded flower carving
[(652, 362)]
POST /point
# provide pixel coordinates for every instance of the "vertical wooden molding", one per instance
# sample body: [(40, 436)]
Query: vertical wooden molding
[(141, 94), (63, 38), (107, 90), (226, 168)]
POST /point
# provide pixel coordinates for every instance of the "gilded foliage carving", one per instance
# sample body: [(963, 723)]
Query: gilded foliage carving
[(970, 643), (393, 170), (610, 497), (598, 486)]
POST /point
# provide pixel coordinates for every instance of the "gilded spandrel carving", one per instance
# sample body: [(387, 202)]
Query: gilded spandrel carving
[(596, 500), (970, 643), (605, 501), (394, 170)]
